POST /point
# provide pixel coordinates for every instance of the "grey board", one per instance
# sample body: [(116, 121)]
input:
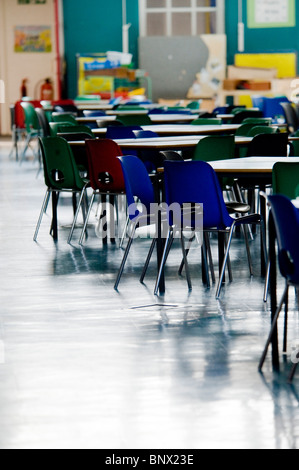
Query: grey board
[(172, 63)]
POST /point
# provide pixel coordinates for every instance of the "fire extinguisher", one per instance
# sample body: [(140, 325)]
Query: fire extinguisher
[(24, 88), (47, 91)]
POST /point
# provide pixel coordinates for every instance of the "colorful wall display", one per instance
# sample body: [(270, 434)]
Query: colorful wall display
[(32, 39)]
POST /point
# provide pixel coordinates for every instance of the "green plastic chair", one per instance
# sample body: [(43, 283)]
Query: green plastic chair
[(258, 121), (56, 127), (212, 148), (32, 126), (135, 120), (285, 179), (237, 110), (130, 107), (61, 175), (64, 117), (206, 122), (262, 130), (194, 105), (244, 129), (295, 145), (76, 129)]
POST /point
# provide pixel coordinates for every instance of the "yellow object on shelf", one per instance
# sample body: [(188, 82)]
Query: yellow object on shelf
[(285, 63)]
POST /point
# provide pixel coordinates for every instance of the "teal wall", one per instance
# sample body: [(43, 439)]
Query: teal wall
[(96, 25)]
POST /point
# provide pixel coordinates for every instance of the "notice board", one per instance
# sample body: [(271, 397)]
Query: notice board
[(271, 13)]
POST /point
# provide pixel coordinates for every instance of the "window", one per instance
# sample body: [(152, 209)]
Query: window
[(181, 17)]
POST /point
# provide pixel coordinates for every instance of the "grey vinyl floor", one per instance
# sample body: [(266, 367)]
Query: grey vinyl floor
[(83, 366)]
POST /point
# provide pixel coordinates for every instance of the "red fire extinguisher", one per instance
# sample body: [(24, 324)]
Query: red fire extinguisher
[(24, 88), (47, 91)]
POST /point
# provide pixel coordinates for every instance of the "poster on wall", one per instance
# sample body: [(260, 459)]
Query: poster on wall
[(32, 39), (271, 13)]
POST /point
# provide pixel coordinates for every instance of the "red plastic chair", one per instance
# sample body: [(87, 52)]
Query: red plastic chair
[(104, 170)]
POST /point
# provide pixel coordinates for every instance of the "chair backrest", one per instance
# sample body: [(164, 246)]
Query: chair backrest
[(138, 184), (272, 106), (43, 122), (258, 121), (213, 148), (93, 113), (286, 220), (196, 182), (290, 116), (170, 155), (64, 117), (67, 108), (285, 179), (269, 145), (104, 168), (262, 130), (135, 120), (206, 122), (77, 129), (75, 136), (60, 169), (141, 134), (31, 119), (241, 115), (194, 105), (56, 127), (245, 128), (121, 132), (108, 123), (131, 107)]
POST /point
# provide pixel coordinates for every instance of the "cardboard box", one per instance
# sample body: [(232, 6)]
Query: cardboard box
[(258, 85), (250, 73)]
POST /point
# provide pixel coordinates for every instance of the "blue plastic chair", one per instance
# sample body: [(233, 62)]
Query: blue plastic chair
[(138, 186), (286, 220), (122, 132), (201, 186), (93, 113)]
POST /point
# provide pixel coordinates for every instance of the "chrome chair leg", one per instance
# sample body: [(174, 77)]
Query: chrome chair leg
[(124, 260), (274, 325), (86, 219), (164, 258), (186, 262), (149, 256), (82, 194), (45, 203), (267, 281), (224, 261)]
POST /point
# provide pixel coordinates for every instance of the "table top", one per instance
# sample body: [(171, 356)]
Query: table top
[(163, 143), (155, 118), (182, 129), (250, 164)]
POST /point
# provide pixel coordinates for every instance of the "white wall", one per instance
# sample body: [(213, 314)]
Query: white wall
[(16, 66)]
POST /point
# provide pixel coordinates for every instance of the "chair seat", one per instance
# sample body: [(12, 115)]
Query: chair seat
[(239, 207)]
